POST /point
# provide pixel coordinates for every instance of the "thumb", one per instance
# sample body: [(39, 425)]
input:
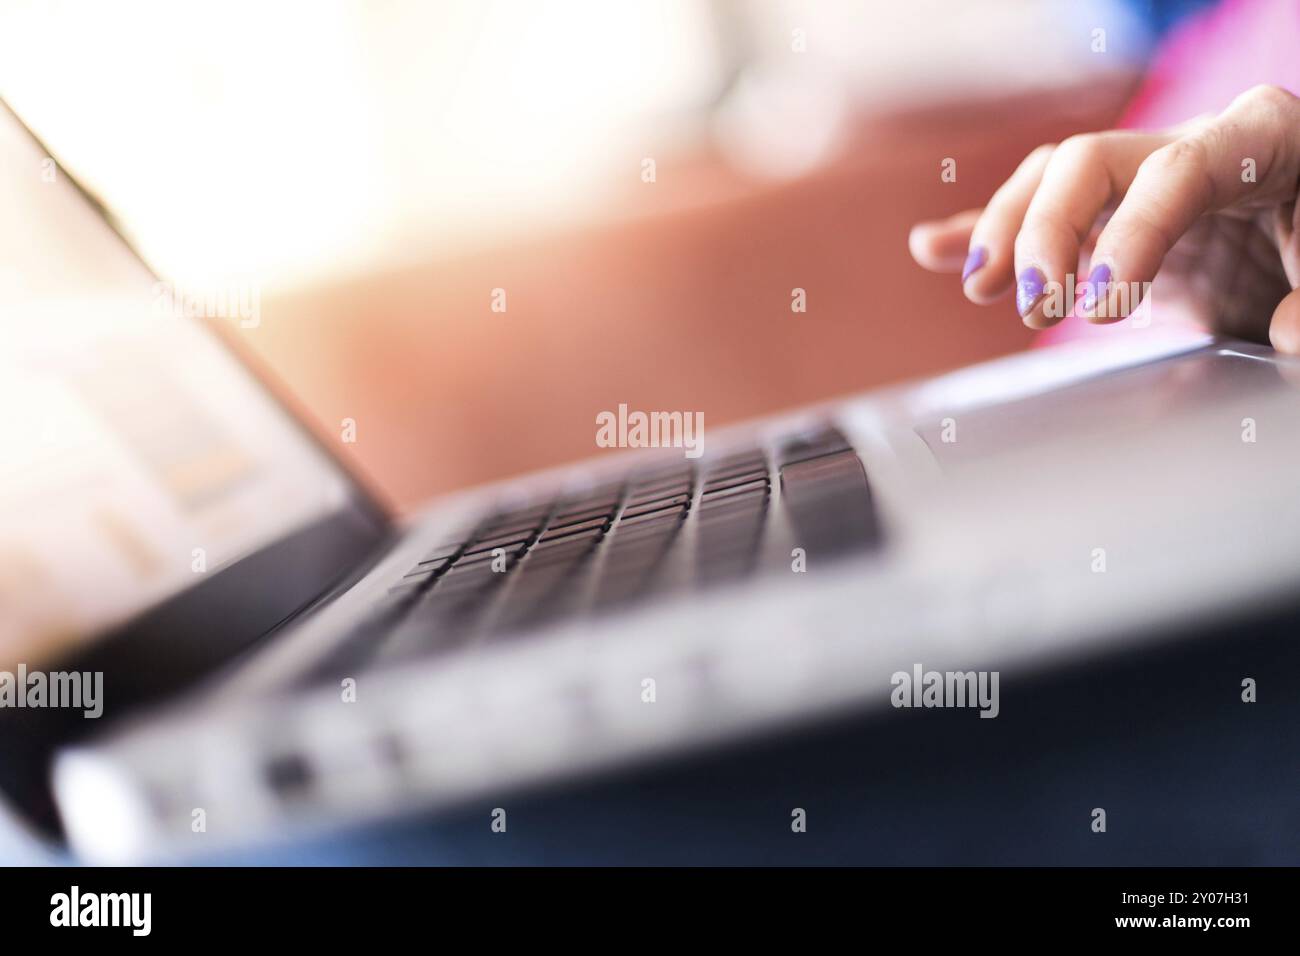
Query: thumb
[(1284, 329)]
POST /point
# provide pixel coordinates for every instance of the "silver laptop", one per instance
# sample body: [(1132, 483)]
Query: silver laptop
[(278, 656)]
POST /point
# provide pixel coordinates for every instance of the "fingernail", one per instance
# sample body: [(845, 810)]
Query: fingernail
[(1098, 280), (1029, 289), (975, 260)]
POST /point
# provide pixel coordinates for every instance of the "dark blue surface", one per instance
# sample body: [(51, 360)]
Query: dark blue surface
[(1187, 772)]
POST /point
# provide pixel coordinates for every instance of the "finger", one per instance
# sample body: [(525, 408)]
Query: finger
[(989, 266), (1085, 174), (1284, 329), (1246, 157), (1287, 237), (940, 245)]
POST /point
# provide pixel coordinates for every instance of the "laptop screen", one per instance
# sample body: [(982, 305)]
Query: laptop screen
[(138, 455)]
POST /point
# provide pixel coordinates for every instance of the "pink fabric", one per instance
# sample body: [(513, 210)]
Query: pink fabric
[(1206, 62)]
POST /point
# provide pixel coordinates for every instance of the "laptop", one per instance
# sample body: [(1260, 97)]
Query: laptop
[(271, 653)]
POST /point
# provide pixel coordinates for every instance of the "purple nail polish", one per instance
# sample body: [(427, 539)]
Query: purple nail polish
[(1098, 280), (975, 260), (1029, 289)]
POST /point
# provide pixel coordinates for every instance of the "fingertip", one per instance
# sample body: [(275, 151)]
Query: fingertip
[(921, 244), (1284, 329), (986, 282), (942, 245), (1042, 301), (1038, 318), (976, 259), (981, 291), (919, 231), (1105, 299), (1031, 285), (1093, 292), (1284, 339)]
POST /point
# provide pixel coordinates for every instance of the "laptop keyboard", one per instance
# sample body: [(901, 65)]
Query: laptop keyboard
[(607, 546)]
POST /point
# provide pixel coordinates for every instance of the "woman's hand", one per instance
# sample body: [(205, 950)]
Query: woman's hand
[(1210, 205)]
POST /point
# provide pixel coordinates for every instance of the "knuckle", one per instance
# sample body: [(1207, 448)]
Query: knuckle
[(1272, 104), (1028, 171), (1039, 155), (1267, 94), (1082, 148), (1188, 151)]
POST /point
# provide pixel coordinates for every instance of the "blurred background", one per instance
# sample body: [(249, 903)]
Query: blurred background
[(648, 181)]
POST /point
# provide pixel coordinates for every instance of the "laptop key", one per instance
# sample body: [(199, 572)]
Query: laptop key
[(814, 443), (659, 504), (732, 489), (442, 553), (487, 545), (568, 531), (577, 517), (830, 502)]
